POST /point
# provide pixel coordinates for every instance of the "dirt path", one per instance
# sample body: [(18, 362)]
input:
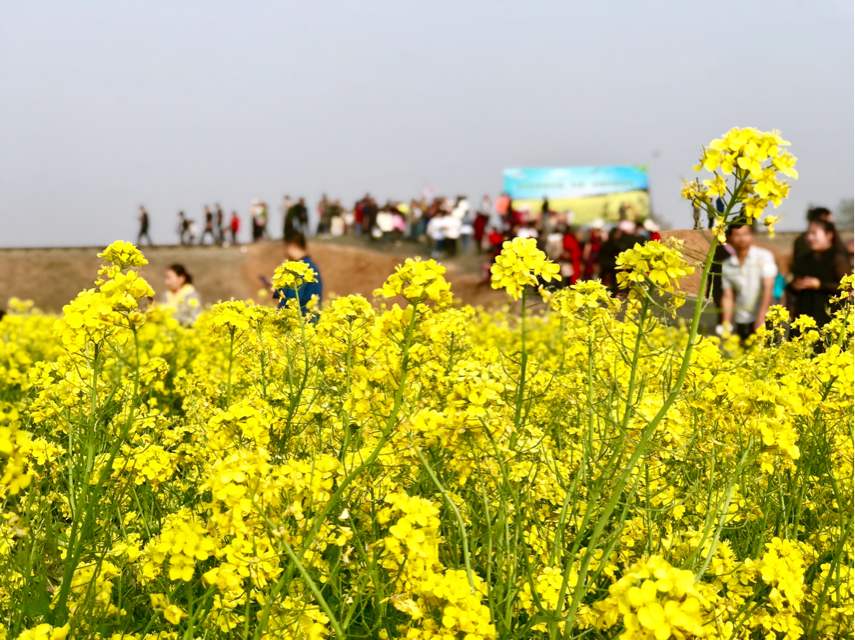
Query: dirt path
[(53, 276)]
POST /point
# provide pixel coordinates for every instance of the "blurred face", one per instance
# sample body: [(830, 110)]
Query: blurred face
[(173, 281), (818, 239), (293, 251), (741, 238)]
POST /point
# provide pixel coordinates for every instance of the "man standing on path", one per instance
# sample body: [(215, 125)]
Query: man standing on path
[(143, 228), (220, 232), (747, 282), (209, 227)]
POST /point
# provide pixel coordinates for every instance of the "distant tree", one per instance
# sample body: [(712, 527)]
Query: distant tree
[(845, 213)]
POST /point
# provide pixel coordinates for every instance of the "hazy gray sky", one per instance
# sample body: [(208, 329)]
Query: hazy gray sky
[(107, 105)]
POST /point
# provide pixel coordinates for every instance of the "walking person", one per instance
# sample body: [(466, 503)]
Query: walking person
[(817, 274), (143, 228), (234, 226), (209, 227), (436, 233), (220, 219), (183, 228), (747, 283), (297, 219), (262, 220), (255, 218), (284, 208)]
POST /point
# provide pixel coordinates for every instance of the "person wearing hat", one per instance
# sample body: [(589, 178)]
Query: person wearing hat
[(652, 229)]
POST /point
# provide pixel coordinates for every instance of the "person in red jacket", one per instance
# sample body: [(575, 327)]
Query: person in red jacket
[(234, 226), (573, 255), (591, 252)]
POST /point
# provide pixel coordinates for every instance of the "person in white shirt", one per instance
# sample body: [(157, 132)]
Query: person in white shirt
[(452, 226), (436, 232), (748, 280)]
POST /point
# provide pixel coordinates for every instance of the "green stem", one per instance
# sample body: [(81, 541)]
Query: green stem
[(460, 522)]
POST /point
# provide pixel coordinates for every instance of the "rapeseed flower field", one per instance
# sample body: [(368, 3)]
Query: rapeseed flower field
[(571, 467)]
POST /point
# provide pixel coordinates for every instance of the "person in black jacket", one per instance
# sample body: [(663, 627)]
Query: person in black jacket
[(143, 228), (817, 274), (800, 246)]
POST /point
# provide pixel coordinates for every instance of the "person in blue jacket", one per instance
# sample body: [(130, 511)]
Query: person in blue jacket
[(295, 249)]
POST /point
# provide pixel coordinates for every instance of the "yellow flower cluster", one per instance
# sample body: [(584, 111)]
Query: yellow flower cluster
[(293, 275), (754, 158), (418, 281), (45, 632), (521, 264), (654, 600), (657, 263)]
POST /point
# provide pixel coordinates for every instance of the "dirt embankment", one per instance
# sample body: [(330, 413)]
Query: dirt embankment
[(53, 276)]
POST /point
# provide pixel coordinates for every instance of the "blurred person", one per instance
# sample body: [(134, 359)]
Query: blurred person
[(183, 228), (295, 250), (723, 251), (527, 230), (817, 275), (571, 256), (384, 224), (553, 244), (338, 226), (451, 230), (192, 230), (348, 218), (399, 223), (481, 222), (502, 204), (463, 212), (591, 250), (747, 282), (209, 227), (801, 248), (436, 233), (495, 240), (234, 226), (631, 235), (479, 230), (369, 215), (418, 224), (181, 295), (218, 224), (652, 229), (262, 214), (255, 219), (296, 219), (143, 228), (512, 220), (358, 208), (284, 208), (607, 258), (325, 214)]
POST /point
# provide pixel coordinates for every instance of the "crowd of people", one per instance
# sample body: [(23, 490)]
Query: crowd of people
[(745, 282), (451, 226)]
